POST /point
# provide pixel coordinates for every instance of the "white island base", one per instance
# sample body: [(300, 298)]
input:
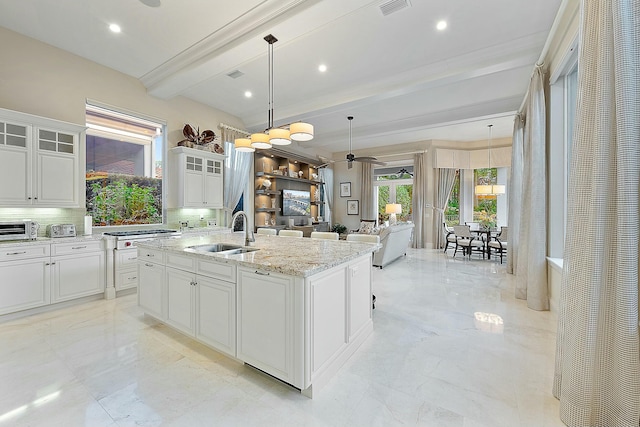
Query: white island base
[(299, 329)]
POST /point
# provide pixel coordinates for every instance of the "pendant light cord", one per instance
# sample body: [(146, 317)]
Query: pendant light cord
[(271, 40)]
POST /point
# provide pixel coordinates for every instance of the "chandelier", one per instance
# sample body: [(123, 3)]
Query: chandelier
[(281, 135), (485, 185)]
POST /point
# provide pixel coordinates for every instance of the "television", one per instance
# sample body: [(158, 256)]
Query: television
[(296, 203)]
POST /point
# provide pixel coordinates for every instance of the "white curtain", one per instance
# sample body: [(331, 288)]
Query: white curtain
[(532, 234), (597, 377), (445, 179), (237, 169), (367, 210), (419, 198), (326, 175), (515, 194)]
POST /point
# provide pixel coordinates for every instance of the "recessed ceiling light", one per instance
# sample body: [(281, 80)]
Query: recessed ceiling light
[(441, 25), (115, 28), (322, 68), (248, 94)]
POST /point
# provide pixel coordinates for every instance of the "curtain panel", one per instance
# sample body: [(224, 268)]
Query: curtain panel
[(445, 179), (419, 199), (326, 175), (237, 169), (597, 375), (532, 234), (366, 194), (515, 194)]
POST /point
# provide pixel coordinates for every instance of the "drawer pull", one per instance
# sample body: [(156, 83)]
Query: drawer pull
[(262, 273), (150, 255), (78, 247), (148, 265), (132, 278), (135, 257), (16, 253)]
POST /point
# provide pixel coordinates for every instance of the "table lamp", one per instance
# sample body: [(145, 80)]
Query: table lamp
[(392, 209)]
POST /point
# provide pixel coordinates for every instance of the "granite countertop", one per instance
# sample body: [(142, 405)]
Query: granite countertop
[(294, 256)]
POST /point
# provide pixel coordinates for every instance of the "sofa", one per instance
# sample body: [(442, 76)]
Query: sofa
[(395, 240)]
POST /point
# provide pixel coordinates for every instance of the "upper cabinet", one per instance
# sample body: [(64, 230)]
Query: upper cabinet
[(39, 160), (198, 179)]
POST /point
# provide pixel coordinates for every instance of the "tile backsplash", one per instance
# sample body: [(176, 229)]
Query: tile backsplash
[(46, 216)]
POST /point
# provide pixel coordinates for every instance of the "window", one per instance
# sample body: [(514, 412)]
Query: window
[(452, 213), (394, 188), (124, 157), (485, 207)]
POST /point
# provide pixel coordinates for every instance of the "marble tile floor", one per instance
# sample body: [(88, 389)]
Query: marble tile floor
[(451, 347)]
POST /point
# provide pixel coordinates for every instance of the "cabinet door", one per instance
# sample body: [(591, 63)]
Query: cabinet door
[(151, 288), (193, 190), (266, 322), (359, 276), (213, 185), (56, 180), (15, 165), (76, 276), (180, 290), (216, 314), (24, 284)]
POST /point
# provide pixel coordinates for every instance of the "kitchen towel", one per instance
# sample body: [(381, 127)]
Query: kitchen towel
[(88, 222)]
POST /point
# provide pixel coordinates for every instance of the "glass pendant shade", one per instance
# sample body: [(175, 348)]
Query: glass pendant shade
[(301, 131), (260, 140), (243, 145), (278, 136)]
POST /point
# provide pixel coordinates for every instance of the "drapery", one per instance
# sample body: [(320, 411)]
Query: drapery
[(326, 175), (237, 169), (419, 197), (445, 179), (597, 376), (366, 193), (532, 226), (515, 192)]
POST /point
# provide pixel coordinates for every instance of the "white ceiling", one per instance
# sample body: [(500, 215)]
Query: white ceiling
[(400, 78)]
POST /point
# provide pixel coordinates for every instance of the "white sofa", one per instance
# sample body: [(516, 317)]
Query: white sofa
[(395, 240)]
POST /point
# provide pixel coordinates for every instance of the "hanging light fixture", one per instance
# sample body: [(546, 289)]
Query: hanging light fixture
[(486, 187), (281, 135), (244, 145)]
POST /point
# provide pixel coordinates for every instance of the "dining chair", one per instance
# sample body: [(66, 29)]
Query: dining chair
[(290, 233), (499, 243), (467, 241), (267, 231), (326, 235), (450, 236)]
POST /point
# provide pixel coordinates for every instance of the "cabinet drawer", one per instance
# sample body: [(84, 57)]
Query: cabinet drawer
[(181, 262), (76, 247), (151, 255), (127, 258), (217, 270), (11, 253), (127, 279)]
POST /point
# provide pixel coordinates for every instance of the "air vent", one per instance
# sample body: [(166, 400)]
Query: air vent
[(391, 6), (235, 74)]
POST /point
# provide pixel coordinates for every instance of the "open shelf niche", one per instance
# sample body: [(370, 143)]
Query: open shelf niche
[(285, 172)]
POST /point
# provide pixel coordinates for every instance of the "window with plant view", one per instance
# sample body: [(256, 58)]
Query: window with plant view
[(394, 188), (124, 157), (485, 207), (452, 212)]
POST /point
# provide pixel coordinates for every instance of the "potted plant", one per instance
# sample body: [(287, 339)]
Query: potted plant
[(339, 228)]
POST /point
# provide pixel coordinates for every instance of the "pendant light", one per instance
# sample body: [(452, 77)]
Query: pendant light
[(281, 135), (487, 188)]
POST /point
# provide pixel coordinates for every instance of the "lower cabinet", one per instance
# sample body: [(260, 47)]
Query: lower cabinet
[(180, 295), (75, 276), (24, 284), (151, 288), (216, 314)]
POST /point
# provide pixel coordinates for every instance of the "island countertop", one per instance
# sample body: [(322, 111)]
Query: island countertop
[(295, 256)]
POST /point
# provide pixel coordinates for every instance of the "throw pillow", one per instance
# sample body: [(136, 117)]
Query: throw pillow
[(366, 227)]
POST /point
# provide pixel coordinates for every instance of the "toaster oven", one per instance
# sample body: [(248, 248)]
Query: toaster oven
[(19, 230)]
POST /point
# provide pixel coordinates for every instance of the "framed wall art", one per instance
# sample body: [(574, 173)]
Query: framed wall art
[(345, 189), (353, 207)]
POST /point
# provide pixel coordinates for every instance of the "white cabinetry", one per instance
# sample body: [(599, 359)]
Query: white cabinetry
[(39, 157), (269, 327), (24, 277), (180, 294), (199, 180), (78, 270), (126, 268), (151, 282)]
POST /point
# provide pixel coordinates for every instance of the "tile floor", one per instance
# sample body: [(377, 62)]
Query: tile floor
[(431, 361)]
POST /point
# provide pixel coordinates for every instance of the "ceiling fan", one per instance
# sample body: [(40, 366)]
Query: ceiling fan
[(364, 159), (402, 172)]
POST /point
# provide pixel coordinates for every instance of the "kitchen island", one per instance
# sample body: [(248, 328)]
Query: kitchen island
[(295, 308)]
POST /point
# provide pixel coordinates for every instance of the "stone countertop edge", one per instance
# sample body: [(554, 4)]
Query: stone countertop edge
[(48, 240), (293, 256)]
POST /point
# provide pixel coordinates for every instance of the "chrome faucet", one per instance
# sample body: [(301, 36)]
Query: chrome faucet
[(249, 240)]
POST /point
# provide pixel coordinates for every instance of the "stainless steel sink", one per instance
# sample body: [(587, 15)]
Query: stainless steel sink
[(221, 248)]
